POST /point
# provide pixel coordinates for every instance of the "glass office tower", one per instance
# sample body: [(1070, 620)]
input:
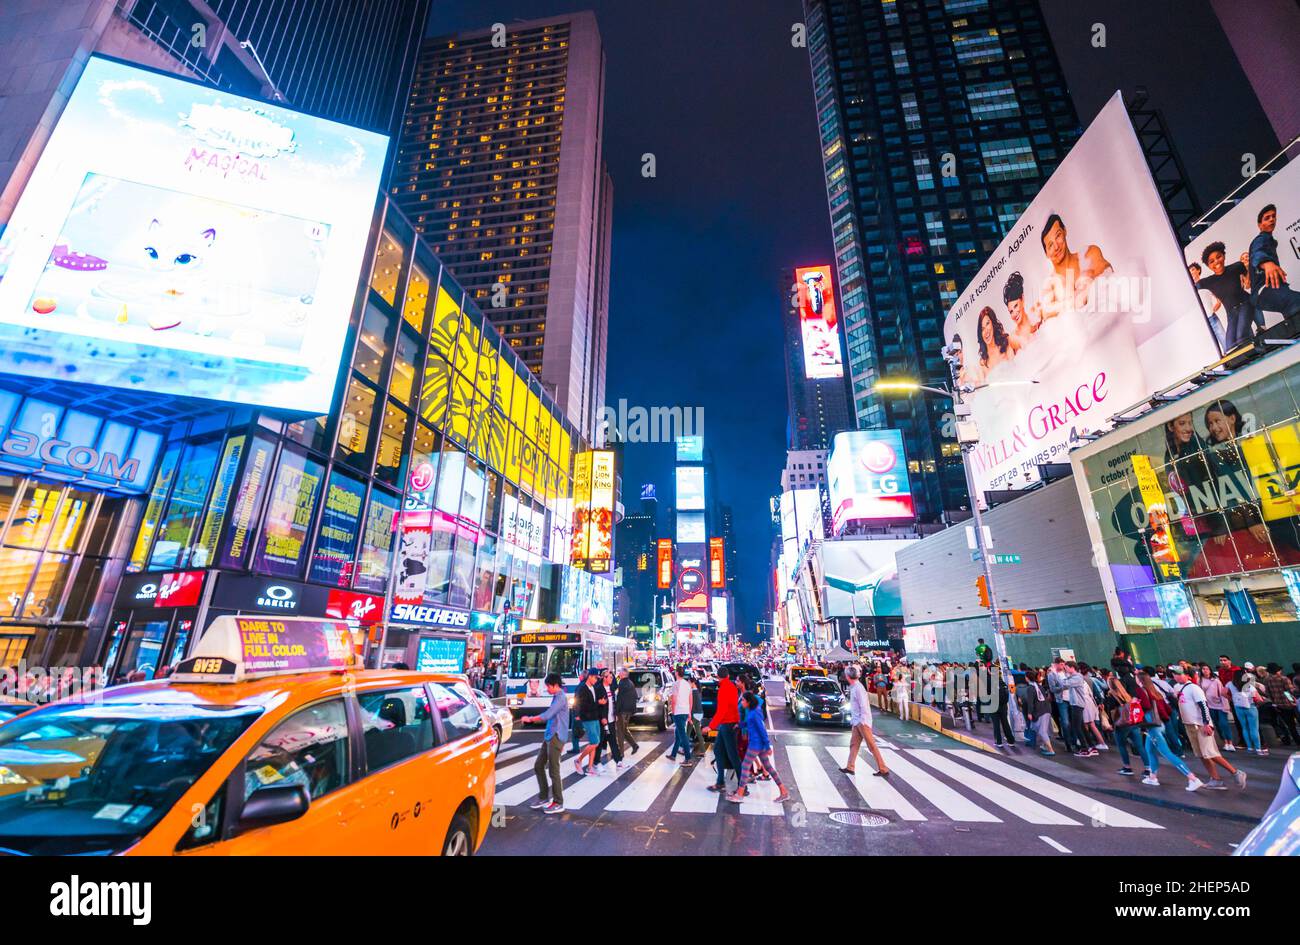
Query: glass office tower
[(939, 120)]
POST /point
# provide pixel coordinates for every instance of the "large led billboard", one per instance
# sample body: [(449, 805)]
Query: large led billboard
[(178, 239), (690, 488), (813, 298), (664, 563), (1234, 287), (690, 449), (867, 470), (1082, 311), (859, 577), (592, 547)]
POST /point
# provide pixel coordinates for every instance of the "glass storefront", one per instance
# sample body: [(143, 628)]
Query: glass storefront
[(439, 478), (1199, 514)]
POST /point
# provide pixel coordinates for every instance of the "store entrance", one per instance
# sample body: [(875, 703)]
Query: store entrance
[(142, 642)]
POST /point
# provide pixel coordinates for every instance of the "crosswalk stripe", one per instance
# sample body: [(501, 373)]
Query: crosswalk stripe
[(1073, 800), (816, 791), (760, 799), (877, 792), (516, 768), (1023, 807), (695, 796), (526, 789), (948, 801), (514, 751), (641, 793), (586, 789)]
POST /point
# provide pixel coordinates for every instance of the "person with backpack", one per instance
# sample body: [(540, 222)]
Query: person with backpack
[(1127, 715), (1038, 712), (758, 753), (1157, 746), (1194, 711)]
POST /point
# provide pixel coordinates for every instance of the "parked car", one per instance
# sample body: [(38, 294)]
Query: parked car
[(502, 722)]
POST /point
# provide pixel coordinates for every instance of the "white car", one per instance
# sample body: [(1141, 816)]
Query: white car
[(498, 716), (654, 686)]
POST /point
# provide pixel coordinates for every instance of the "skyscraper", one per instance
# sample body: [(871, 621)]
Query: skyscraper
[(350, 62), (939, 121), (500, 166), (818, 405)]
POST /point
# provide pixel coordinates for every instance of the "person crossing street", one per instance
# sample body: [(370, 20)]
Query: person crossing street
[(860, 719)]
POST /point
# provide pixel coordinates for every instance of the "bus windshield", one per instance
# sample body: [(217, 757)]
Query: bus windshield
[(527, 662), (566, 660)]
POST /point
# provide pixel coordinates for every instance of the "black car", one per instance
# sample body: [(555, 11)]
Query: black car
[(818, 699), (709, 687)]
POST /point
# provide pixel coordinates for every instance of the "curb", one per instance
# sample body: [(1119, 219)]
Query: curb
[(932, 719)]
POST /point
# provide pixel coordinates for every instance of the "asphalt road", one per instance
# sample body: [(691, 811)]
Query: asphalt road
[(943, 798)]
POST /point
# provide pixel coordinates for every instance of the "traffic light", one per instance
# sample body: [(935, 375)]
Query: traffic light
[(982, 585)]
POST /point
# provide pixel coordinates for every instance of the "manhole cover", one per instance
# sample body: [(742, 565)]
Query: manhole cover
[(856, 818)]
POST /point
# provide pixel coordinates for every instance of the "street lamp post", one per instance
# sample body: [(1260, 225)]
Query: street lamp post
[(967, 439)]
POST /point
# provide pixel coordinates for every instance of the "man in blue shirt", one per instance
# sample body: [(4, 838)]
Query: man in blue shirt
[(550, 798), (1267, 277)]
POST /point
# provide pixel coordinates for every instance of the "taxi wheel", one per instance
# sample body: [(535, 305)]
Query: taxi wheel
[(460, 838), (496, 739)]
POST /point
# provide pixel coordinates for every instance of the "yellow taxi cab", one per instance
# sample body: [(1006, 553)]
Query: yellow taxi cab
[(795, 672), (270, 739)]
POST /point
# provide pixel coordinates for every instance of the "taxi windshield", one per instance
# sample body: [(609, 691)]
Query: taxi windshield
[(95, 778)]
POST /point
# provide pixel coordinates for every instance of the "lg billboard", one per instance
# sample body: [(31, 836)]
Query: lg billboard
[(867, 470), (178, 239)]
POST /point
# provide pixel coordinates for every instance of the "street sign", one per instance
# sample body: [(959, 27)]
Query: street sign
[(1004, 559)]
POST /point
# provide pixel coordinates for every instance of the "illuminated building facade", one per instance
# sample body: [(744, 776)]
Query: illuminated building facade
[(500, 167)]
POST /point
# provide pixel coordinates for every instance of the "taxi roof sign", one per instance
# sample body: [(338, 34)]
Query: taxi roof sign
[(237, 648)]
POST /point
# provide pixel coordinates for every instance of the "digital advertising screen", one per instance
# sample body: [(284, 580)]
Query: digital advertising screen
[(175, 238), (813, 298), (1082, 311), (438, 655), (717, 563), (690, 488), (867, 470), (859, 577), (690, 449), (664, 555)]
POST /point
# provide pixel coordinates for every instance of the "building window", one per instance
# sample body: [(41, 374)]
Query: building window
[(1009, 159)]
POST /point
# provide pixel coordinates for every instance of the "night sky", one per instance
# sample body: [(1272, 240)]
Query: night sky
[(718, 94)]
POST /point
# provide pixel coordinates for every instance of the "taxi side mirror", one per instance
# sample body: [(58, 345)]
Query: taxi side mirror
[(276, 804)]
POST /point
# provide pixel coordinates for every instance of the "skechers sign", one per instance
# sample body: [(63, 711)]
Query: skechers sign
[(868, 478), (430, 616)]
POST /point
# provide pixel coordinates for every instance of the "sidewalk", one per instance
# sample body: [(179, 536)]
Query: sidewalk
[(1102, 774)]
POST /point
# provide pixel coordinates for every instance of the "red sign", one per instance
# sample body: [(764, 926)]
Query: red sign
[(665, 556), (179, 589), (349, 605), (717, 566)]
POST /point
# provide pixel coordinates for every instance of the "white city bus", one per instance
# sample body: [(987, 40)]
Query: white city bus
[(564, 649)]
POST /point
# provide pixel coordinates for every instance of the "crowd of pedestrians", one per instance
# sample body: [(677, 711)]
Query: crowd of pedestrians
[(1145, 714)]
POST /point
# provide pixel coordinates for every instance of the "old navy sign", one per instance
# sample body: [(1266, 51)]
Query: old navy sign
[(432, 616)]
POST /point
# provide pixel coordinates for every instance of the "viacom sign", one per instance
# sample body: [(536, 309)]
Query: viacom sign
[(432, 616)]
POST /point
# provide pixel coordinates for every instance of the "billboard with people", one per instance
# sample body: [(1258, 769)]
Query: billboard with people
[(1194, 509), (1240, 264), (1082, 311)]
